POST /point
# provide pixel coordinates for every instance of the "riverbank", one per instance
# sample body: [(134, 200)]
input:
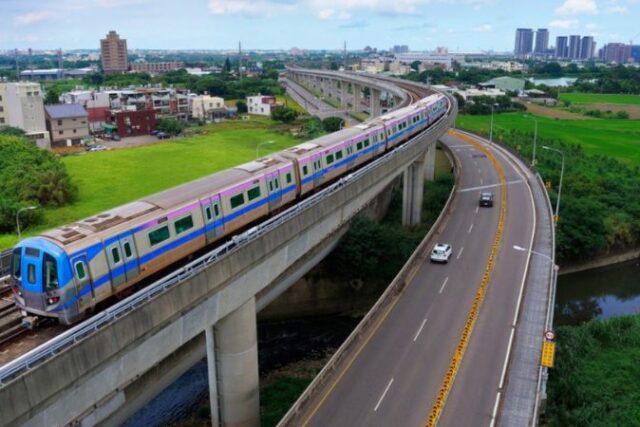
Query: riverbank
[(602, 261)]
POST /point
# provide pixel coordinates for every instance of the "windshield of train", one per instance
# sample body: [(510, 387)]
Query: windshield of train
[(50, 272), (16, 263)]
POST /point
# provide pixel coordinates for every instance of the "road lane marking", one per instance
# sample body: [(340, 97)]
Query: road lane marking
[(470, 228), (460, 253), (482, 187), (495, 410), (481, 181), (477, 209), (384, 393), (443, 285), (419, 330)]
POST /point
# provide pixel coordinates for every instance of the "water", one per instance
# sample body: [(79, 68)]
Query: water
[(557, 82), (279, 343), (598, 294)]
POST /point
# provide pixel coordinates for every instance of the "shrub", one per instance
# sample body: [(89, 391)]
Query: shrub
[(284, 114), (622, 115), (332, 124)]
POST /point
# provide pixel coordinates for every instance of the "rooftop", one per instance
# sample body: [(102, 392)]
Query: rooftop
[(65, 111)]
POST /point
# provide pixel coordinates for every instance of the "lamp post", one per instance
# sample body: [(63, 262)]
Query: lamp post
[(535, 138), (28, 208), (260, 145), (521, 249), (491, 131), (544, 147)]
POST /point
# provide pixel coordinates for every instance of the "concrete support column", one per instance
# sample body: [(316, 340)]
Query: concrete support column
[(430, 163), (376, 109), (357, 98), (232, 351), (412, 191), (344, 93)]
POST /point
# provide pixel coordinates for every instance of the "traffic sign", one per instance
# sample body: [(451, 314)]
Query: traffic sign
[(549, 335), (548, 354)]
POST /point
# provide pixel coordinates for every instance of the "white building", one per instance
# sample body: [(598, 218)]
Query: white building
[(21, 106), (445, 61), (260, 104), (96, 104), (205, 107)]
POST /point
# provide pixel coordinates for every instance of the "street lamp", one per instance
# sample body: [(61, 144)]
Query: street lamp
[(535, 138), (521, 249), (260, 145), (544, 147), (28, 208), (491, 131)]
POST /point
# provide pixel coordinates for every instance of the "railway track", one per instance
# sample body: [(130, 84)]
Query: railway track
[(10, 318)]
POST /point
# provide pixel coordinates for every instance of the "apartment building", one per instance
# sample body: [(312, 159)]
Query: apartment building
[(21, 106), (261, 105), (113, 53), (205, 107), (67, 124), (156, 67)]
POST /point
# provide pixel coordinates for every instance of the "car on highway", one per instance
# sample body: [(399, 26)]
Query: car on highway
[(486, 199), (441, 252), (97, 147)]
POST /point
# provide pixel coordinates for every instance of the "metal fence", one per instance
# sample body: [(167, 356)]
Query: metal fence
[(111, 314), (5, 264)]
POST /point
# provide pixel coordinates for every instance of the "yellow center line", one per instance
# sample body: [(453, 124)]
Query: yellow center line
[(456, 359)]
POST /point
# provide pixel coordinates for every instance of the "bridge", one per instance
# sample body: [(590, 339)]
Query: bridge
[(104, 369)]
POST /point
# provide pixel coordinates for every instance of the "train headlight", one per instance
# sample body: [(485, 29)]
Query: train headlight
[(53, 300)]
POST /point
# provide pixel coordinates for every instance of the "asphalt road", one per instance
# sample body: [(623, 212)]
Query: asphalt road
[(395, 378)]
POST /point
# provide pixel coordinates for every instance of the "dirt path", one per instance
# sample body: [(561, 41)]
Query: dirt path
[(554, 113)]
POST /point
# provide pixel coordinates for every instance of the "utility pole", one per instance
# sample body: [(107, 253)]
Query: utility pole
[(345, 55)]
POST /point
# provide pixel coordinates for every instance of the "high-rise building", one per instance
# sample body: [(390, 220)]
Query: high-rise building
[(21, 106), (574, 47), (562, 47), (524, 42), (635, 53), (113, 51), (616, 52), (542, 41), (587, 47), (400, 48)]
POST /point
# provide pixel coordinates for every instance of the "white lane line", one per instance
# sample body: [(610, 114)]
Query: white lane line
[(481, 187), (419, 330), (443, 285), (477, 209), (470, 228), (495, 410), (481, 181), (479, 170), (460, 253), (506, 358), (384, 393)]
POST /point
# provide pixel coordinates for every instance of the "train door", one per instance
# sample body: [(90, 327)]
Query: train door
[(212, 213), (31, 278), (116, 263), (130, 253), (275, 190), (318, 176), (348, 152), (84, 285)]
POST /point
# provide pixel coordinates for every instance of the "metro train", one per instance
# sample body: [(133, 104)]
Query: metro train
[(63, 273)]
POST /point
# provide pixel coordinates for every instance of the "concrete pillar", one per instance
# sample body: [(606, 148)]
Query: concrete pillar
[(376, 109), (343, 93), (357, 98), (412, 191), (430, 163), (232, 356)]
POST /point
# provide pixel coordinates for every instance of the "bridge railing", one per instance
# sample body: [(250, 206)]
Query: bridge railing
[(5, 265), (111, 314), (369, 322)]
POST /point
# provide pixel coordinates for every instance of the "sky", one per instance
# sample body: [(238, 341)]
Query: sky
[(460, 25)]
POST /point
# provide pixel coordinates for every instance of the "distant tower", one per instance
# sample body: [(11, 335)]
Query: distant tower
[(60, 64), (240, 59), (30, 65), (345, 55), (17, 66)]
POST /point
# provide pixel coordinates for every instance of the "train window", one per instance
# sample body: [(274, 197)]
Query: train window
[(207, 212), (127, 249), (350, 149), (277, 183), (366, 142), (381, 136), (183, 224), (237, 200), (115, 255), (388, 132), (50, 272), (253, 193), (81, 271), (330, 159), (359, 146), (338, 155), (32, 252), (270, 185), (17, 263), (31, 274), (305, 170), (289, 178), (159, 235), (216, 209)]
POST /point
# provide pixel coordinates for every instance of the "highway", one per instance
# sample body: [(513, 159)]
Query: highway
[(396, 376)]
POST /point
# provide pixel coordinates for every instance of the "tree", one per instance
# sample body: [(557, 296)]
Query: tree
[(415, 65), (11, 131), (332, 124), (53, 96), (171, 126), (227, 66), (284, 114), (241, 106), (460, 99)]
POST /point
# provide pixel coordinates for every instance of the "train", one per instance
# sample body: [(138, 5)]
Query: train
[(65, 272)]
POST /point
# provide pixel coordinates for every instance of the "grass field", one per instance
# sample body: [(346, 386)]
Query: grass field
[(600, 98), (616, 138), (110, 178)]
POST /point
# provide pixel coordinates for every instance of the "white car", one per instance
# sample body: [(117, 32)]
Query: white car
[(441, 253)]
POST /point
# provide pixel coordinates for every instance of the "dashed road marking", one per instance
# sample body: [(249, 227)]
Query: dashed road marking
[(460, 253), (384, 393), (470, 228), (443, 285), (419, 330)]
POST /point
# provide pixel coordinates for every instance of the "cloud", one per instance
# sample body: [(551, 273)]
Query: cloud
[(355, 24), (622, 10), (250, 8), (485, 28), (564, 24), (577, 7), (31, 18)]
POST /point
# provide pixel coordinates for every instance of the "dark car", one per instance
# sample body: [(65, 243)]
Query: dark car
[(486, 199)]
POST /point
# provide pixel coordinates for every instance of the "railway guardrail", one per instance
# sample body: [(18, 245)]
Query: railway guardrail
[(111, 314), (5, 265)]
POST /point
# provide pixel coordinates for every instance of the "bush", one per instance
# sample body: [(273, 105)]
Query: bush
[(242, 107), (332, 124), (30, 176), (284, 114), (171, 126), (622, 115)]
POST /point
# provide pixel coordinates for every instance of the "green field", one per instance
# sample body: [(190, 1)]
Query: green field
[(600, 98), (110, 178), (616, 138)]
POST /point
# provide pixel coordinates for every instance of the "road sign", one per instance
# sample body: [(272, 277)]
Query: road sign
[(548, 354), (549, 335)]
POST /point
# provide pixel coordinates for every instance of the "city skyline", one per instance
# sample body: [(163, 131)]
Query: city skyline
[(463, 25)]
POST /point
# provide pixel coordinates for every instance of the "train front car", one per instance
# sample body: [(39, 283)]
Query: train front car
[(42, 281)]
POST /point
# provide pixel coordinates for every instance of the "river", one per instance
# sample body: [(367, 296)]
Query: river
[(598, 294)]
